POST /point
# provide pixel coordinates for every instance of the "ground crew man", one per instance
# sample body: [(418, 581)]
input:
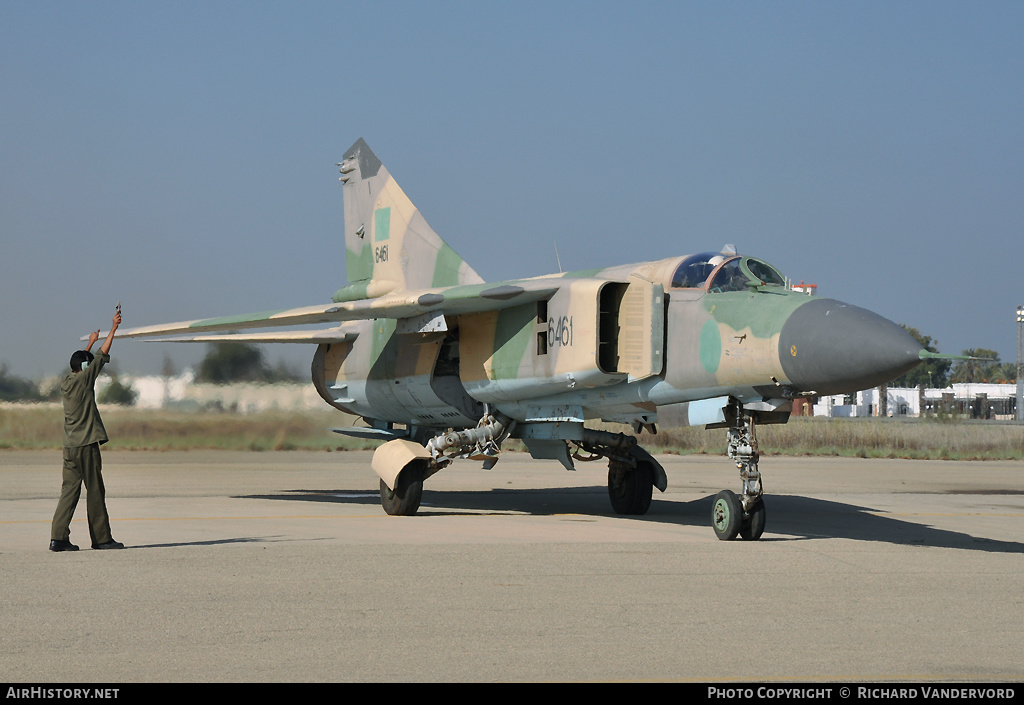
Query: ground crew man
[(83, 434)]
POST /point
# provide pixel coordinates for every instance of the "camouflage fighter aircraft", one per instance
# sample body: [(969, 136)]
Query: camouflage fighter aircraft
[(442, 365)]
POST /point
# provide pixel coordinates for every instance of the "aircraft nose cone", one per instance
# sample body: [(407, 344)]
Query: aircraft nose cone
[(830, 347)]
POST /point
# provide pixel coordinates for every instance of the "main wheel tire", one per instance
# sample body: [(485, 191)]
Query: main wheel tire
[(753, 525), (633, 494), (726, 515), (404, 500)]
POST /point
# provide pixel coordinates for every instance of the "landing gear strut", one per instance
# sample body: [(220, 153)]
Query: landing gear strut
[(743, 515)]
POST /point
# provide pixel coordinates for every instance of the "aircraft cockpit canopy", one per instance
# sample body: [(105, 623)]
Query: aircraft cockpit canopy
[(695, 270), (717, 272)]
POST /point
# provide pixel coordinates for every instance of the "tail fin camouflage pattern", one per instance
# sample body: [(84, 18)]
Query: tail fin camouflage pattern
[(388, 244)]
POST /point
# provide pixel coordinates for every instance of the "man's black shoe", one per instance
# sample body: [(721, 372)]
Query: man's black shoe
[(109, 544), (56, 545)]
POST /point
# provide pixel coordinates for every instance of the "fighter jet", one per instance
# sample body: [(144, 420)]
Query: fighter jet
[(443, 365)]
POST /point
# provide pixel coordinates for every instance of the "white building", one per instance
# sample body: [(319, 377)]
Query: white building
[(181, 392), (977, 400)]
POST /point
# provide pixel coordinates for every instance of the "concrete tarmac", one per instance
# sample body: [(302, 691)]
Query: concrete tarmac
[(282, 566)]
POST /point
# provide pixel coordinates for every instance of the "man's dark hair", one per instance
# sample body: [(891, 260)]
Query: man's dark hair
[(78, 358)]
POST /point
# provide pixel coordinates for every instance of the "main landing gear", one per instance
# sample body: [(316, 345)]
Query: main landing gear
[(630, 489), (403, 464), (632, 472), (405, 499), (743, 515)]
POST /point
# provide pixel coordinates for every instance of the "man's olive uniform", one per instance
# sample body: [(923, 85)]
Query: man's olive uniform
[(83, 434)]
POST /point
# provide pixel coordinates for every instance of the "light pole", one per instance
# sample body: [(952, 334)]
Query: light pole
[(1020, 363)]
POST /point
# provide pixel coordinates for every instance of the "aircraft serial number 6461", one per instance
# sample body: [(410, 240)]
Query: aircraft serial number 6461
[(443, 365)]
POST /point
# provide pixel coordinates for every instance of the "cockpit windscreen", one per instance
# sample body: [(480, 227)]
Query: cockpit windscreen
[(765, 272), (735, 273)]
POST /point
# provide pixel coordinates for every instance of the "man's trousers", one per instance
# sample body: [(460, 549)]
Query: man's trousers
[(82, 464)]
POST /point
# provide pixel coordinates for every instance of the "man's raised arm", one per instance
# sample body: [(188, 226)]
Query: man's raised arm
[(105, 348)]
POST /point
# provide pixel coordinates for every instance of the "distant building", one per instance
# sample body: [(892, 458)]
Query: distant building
[(975, 400), (182, 392)]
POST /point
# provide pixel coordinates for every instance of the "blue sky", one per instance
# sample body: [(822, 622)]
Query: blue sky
[(179, 156)]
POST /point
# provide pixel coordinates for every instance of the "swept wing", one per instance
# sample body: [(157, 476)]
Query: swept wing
[(411, 305)]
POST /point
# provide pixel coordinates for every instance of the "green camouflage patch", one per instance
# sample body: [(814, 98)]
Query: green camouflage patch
[(381, 224), (710, 346)]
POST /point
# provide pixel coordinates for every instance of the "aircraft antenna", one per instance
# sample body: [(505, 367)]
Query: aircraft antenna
[(557, 258)]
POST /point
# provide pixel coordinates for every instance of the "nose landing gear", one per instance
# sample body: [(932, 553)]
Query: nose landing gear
[(744, 515)]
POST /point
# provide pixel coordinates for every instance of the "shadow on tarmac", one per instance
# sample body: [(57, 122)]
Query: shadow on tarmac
[(790, 517), (216, 542)]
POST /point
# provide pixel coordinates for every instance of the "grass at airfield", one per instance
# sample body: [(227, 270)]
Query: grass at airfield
[(39, 427), (926, 439)]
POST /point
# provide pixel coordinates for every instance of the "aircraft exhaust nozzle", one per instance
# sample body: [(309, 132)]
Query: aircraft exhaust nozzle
[(829, 347)]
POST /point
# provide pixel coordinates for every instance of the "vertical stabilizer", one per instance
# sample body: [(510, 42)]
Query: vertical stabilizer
[(388, 244)]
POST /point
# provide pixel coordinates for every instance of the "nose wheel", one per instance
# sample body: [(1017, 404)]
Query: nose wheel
[(742, 516), (729, 520), (752, 525), (726, 515)]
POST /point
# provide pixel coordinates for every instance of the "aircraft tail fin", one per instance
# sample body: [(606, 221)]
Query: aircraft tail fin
[(388, 244)]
